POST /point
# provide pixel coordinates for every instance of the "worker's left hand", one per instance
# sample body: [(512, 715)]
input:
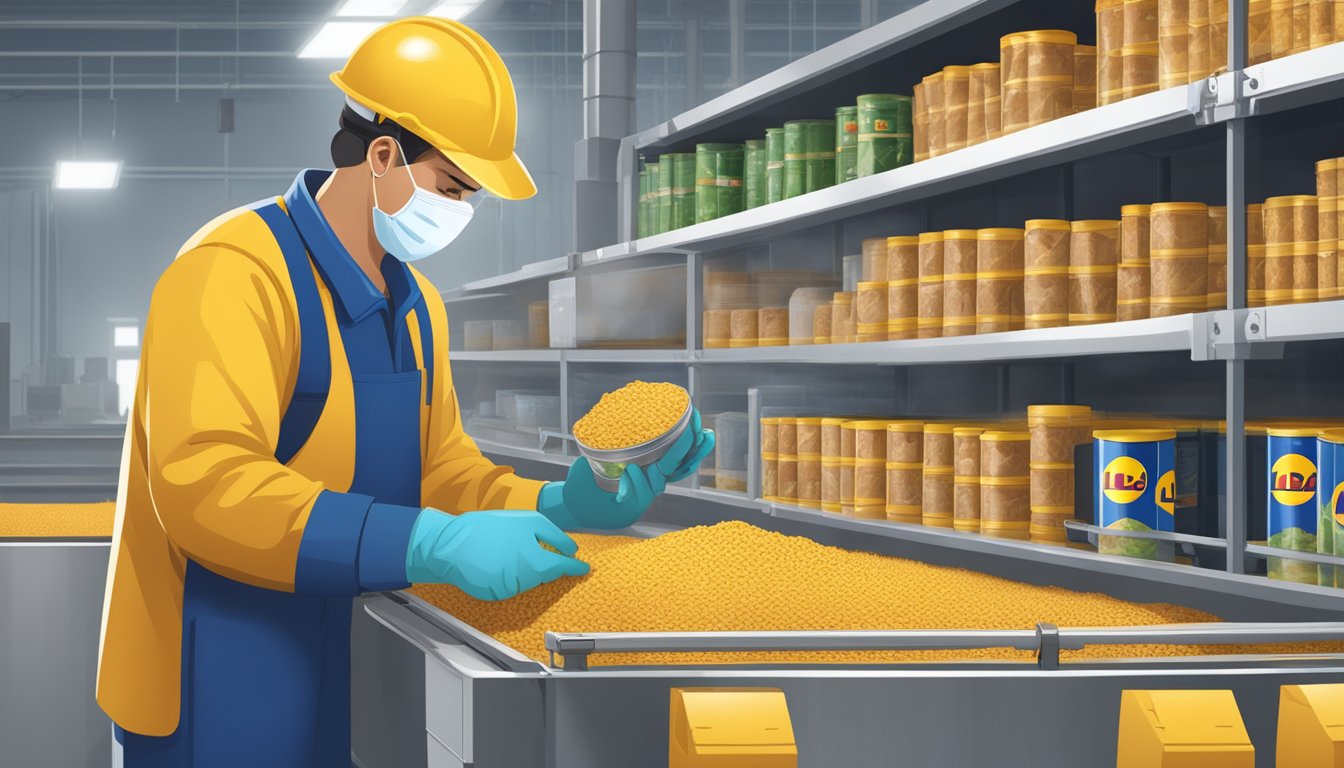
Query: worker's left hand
[(579, 502)]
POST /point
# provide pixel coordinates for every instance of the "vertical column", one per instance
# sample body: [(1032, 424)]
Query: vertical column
[(694, 303), (1236, 522), (565, 422), (608, 116), (737, 42)]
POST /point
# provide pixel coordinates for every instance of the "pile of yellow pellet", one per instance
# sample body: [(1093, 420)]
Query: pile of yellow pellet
[(632, 415), (57, 520), (734, 576)]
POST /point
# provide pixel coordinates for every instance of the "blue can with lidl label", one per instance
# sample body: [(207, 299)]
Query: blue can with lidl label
[(1292, 501), (1136, 490), (1330, 501)]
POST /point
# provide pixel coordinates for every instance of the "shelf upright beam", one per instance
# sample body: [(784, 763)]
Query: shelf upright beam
[(564, 403), (1236, 129), (695, 301)]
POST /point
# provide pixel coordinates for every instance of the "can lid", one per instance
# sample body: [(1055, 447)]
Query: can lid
[(1039, 414), (849, 110), (833, 421), (846, 297), (1103, 5), (936, 428), (905, 426), (1290, 201), (985, 65), (936, 76), (959, 234), (1335, 436), (975, 431), (1054, 36), (1293, 431), (903, 240), (771, 420), (715, 148), (755, 143), (1329, 165), (930, 237), (1000, 233), (1177, 207), (1255, 207), (994, 436), (880, 99), (957, 70), (1135, 210), (1059, 224), (880, 424), (809, 421), (774, 131), (1016, 38), (1095, 225), (1134, 435)]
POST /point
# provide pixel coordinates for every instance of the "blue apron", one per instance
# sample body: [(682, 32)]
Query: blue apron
[(266, 674)]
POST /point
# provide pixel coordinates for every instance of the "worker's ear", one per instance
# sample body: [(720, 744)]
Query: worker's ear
[(382, 155)]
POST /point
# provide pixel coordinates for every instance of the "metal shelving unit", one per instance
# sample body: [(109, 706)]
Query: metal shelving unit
[(1233, 337)]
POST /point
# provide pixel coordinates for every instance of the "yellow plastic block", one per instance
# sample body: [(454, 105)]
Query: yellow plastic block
[(1311, 726), (1182, 729), (730, 727)]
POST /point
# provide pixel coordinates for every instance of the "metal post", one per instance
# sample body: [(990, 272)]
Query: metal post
[(564, 404), (694, 86), (1236, 522), (737, 42), (608, 117)]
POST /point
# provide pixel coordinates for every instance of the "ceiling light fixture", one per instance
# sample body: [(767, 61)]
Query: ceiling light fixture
[(87, 174), (368, 8), (455, 9), (337, 39)]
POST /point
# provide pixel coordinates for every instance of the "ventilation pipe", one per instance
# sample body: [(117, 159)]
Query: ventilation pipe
[(608, 117)]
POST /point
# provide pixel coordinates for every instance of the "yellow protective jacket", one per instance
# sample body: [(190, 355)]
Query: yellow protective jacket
[(199, 478)]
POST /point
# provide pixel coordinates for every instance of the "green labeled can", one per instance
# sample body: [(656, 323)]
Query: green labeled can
[(886, 133), (1330, 495), (1293, 512), (753, 185), (642, 216), (718, 180), (666, 174), (655, 171), (683, 189), (846, 144), (774, 165), (809, 156)]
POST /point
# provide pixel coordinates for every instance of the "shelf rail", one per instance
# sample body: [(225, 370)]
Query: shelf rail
[(1046, 640)]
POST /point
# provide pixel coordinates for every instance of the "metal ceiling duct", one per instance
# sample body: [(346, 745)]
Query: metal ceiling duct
[(608, 116)]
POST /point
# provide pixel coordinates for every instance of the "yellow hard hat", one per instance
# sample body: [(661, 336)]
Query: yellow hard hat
[(443, 82)]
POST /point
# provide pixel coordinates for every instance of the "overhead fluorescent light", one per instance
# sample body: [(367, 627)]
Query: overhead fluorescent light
[(455, 9), (371, 7), (84, 174), (337, 39)]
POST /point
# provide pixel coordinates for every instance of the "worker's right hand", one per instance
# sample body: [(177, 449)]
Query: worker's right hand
[(490, 555)]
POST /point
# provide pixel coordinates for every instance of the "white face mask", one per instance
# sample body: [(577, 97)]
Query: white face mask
[(424, 226)]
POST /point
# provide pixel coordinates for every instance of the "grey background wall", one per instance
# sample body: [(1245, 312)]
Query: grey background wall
[(104, 98)]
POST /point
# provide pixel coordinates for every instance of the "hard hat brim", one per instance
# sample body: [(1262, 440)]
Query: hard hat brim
[(505, 178)]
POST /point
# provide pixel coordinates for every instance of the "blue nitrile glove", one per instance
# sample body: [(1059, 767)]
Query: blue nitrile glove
[(579, 502), (490, 555)]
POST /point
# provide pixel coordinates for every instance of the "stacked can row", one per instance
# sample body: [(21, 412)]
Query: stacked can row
[(1294, 243), (999, 479), (751, 309), (683, 188), (1041, 75)]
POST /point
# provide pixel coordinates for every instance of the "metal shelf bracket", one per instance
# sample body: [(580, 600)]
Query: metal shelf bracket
[(1232, 334)]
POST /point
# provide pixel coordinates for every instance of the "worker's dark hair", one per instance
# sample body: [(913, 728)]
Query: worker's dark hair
[(351, 143)]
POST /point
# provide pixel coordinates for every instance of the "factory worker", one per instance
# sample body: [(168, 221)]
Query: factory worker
[(295, 439)]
